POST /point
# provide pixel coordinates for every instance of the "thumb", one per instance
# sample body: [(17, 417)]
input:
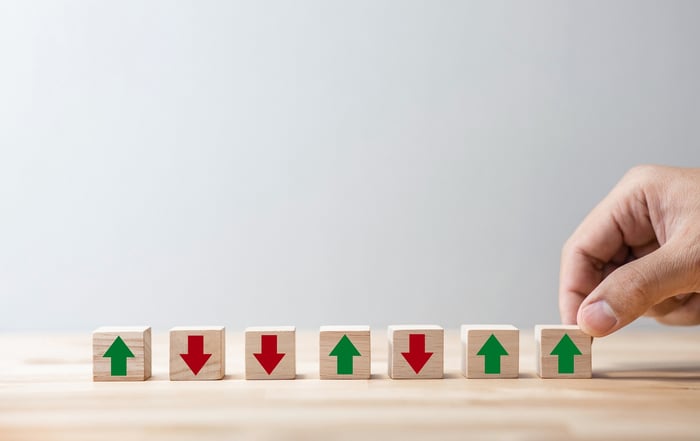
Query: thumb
[(628, 292)]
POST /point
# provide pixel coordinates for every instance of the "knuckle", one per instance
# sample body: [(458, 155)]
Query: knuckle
[(566, 248), (643, 177), (643, 172), (639, 180), (572, 248)]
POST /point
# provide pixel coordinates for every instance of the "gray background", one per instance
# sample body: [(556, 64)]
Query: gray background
[(300, 162)]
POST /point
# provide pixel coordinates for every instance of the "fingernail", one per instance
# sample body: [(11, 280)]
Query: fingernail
[(598, 318)]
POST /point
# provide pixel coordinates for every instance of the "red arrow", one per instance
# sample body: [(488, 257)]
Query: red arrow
[(416, 355), (195, 357), (268, 357)]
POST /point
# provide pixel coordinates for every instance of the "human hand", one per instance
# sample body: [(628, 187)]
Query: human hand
[(637, 253)]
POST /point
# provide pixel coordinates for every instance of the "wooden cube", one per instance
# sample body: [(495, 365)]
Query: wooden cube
[(563, 351), (490, 351), (416, 351), (197, 353), (121, 353), (344, 353), (270, 353)]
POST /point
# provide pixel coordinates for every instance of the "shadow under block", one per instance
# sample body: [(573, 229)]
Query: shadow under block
[(121, 353), (563, 351), (197, 353), (344, 353), (270, 353), (490, 351), (416, 351)]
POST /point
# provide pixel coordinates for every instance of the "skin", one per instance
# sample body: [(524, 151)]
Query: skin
[(637, 253)]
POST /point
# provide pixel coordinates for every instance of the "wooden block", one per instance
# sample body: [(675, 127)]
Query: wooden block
[(197, 353), (416, 351), (490, 351), (344, 353), (121, 353), (270, 353), (563, 351)]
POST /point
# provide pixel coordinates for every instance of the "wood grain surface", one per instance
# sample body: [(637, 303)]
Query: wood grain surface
[(645, 386)]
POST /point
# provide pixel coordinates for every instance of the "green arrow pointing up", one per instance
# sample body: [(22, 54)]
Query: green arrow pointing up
[(345, 350), (566, 350), (118, 352), (492, 351)]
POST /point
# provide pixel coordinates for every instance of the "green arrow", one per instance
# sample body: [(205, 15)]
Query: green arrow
[(345, 350), (566, 350), (492, 351), (118, 352)]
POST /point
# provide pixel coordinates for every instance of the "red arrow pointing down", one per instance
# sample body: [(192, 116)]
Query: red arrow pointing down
[(268, 357), (195, 357), (416, 355)]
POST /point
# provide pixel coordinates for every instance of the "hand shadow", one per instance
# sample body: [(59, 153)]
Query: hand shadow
[(652, 371)]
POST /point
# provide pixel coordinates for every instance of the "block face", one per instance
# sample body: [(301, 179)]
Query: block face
[(197, 353), (121, 353), (270, 353), (344, 353), (490, 351), (416, 351), (563, 351)]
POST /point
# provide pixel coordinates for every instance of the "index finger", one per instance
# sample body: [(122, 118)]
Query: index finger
[(621, 219)]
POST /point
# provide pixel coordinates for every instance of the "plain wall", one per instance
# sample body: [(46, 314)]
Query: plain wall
[(320, 162)]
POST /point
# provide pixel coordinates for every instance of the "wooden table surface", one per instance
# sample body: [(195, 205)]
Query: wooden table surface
[(646, 386)]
